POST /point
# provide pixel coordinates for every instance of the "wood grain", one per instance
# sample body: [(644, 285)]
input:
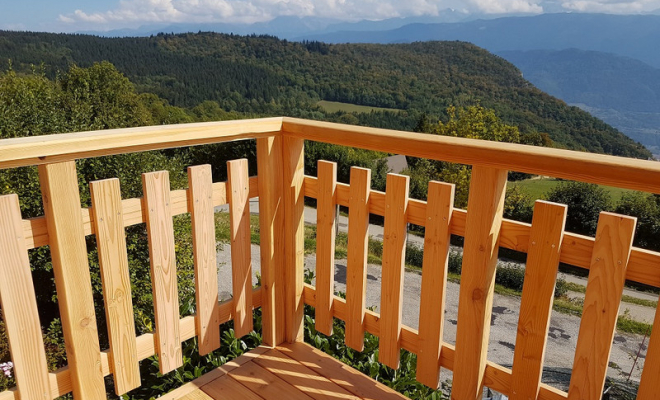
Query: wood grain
[(19, 305), (601, 169), (325, 245), (241, 256), (434, 281), (649, 386), (61, 200), (537, 298), (113, 262), (202, 217), (271, 229), (394, 246), (356, 263), (294, 231), (602, 299), (163, 269), (484, 218), (63, 147)]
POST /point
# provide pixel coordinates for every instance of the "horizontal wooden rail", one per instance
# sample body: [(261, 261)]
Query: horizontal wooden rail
[(643, 267), (60, 380), (38, 150), (36, 231), (602, 169), (496, 376)]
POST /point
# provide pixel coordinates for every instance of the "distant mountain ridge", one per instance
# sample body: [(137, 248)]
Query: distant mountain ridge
[(622, 91), (635, 36)]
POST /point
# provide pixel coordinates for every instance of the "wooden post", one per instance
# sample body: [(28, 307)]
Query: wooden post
[(607, 275), (59, 188), (649, 385), (238, 189), (293, 175), (113, 261), (325, 245), (271, 222), (394, 250), (202, 217), (439, 209), (545, 240), (482, 232), (162, 257), (19, 305), (356, 265)]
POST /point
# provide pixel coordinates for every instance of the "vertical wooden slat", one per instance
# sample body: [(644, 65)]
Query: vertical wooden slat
[(271, 229), (484, 219), (356, 267), (325, 245), (202, 216), (238, 190), (649, 385), (439, 208), (293, 176), (163, 269), (537, 297), (108, 219), (394, 248), (61, 199), (607, 275), (19, 305)]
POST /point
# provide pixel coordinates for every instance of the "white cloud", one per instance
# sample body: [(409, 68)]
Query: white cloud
[(612, 6), (134, 12)]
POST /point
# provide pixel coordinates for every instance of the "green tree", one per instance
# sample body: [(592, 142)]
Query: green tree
[(585, 201)]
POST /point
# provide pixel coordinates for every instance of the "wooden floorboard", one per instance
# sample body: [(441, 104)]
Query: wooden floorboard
[(289, 372)]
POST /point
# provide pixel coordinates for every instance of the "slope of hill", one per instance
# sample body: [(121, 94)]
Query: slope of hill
[(267, 75), (623, 92), (635, 36)]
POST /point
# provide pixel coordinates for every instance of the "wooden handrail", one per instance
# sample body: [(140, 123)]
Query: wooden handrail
[(46, 149), (602, 169)]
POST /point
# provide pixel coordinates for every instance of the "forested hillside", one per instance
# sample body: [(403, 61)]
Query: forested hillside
[(267, 76)]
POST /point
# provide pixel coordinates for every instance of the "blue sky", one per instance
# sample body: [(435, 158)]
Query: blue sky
[(79, 15)]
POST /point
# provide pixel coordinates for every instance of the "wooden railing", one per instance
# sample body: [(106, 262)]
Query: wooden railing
[(281, 187)]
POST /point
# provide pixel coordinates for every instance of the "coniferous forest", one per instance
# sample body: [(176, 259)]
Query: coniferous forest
[(262, 75)]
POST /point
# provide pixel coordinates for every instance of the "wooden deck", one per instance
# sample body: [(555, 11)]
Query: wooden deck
[(287, 372)]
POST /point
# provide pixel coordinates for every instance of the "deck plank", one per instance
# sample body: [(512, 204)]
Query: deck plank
[(227, 388), (268, 385), (301, 377), (350, 379)]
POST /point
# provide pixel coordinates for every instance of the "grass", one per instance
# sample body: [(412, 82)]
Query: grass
[(576, 287), (638, 301), (334, 106), (223, 228), (537, 188)]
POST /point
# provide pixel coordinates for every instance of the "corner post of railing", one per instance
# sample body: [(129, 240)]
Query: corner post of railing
[(281, 174), (293, 176)]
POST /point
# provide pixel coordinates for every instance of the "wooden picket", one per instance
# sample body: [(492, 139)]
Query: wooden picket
[(607, 275), (202, 216), (59, 187), (394, 246), (160, 230), (434, 281), (356, 264), (325, 245), (537, 298), (238, 194), (484, 218), (113, 261), (19, 305)]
